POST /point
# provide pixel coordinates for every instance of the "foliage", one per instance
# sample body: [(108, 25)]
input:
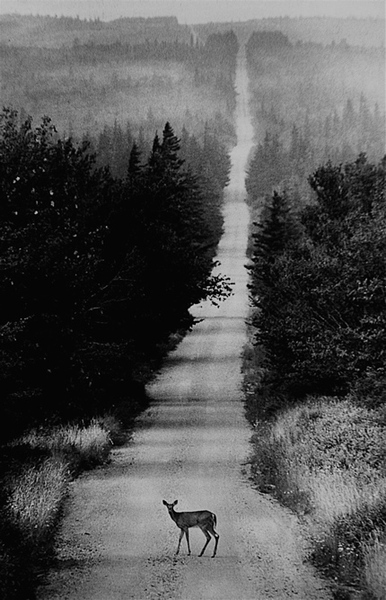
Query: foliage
[(317, 290), (374, 559), (79, 446), (319, 294), (302, 119), (87, 84), (325, 459), (35, 471), (268, 167), (96, 271)]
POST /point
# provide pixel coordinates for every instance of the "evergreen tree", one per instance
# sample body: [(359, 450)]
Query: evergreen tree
[(320, 295), (96, 271)]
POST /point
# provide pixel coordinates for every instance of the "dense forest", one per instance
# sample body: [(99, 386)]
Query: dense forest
[(319, 144), (64, 31), (319, 284), (316, 378), (97, 270), (302, 120), (141, 80), (352, 31)]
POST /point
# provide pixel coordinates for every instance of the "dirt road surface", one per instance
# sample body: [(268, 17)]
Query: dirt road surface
[(118, 541)]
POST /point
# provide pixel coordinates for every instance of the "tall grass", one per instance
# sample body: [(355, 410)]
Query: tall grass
[(35, 498), (375, 564), (326, 460), (82, 446), (35, 472)]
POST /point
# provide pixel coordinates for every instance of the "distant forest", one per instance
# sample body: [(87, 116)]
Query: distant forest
[(311, 103), (150, 71), (64, 31), (318, 30)]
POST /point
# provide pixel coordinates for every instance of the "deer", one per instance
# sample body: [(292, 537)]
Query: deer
[(204, 519)]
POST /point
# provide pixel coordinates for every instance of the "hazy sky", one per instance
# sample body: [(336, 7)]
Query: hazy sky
[(196, 11)]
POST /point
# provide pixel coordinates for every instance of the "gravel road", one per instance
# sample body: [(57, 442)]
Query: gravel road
[(118, 541)]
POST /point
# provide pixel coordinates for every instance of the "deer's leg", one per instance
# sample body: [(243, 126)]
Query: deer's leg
[(216, 539), (208, 538), (179, 541), (187, 539)]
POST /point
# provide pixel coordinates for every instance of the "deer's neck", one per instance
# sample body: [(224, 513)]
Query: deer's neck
[(174, 515)]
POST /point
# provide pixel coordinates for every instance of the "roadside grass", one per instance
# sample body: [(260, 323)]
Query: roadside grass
[(80, 446), (325, 458), (375, 562), (34, 474), (35, 497)]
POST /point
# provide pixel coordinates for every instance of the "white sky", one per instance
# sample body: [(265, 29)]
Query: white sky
[(196, 11)]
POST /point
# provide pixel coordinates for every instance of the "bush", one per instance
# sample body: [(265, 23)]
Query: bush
[(319, 288), (35, 471), (81, 446), (325, 460)]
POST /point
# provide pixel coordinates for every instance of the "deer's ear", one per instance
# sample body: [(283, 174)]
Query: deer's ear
[(164, 502), (175, 502)]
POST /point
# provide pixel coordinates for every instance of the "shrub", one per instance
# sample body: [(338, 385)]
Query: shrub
[(325, 459), (318, 284), (35, 471)]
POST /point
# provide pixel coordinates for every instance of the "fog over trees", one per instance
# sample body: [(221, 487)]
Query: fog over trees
[(312, 103), (117, 131)]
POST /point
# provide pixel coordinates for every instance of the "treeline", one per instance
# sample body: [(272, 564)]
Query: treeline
[(219, 50), (353, 31), (277, 161), (97, 270), (62, 31), (216, 65), (90, 84), (311, 104), (319, 284), (204, 153), (315, 375)]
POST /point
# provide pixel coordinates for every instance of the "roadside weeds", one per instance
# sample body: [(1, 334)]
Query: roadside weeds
[(325, 458), (35, 471)]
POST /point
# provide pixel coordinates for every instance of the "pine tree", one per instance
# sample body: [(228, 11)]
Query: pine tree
[(134, 166), (276, 231)]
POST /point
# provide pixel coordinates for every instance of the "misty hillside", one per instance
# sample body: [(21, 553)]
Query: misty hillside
[(86, 74), (56, 32), (89, 74), (319, 30)]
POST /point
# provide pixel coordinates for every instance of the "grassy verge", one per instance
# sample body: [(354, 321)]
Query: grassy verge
[(35, 471), (34, 474), (325, 458)]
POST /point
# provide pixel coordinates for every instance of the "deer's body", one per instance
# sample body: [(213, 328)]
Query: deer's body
[(204, 519)]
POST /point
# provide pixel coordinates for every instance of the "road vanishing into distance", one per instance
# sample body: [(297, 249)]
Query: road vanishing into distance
[(192, 444)]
